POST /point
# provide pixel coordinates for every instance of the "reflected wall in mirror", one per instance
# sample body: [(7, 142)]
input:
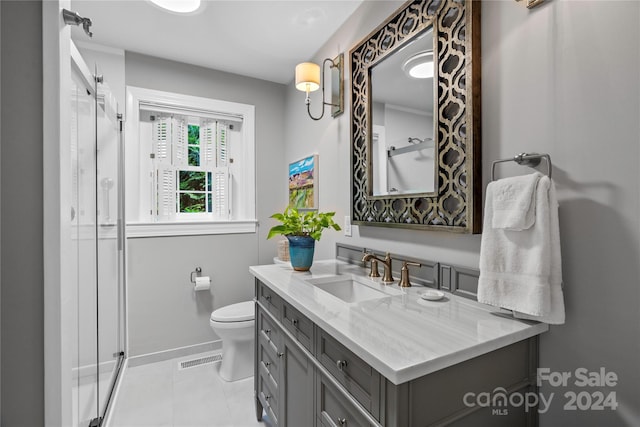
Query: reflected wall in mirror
[(416, 155), (402, 134)]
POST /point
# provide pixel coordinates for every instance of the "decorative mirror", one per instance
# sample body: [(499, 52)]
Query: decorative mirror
[(415, 119)]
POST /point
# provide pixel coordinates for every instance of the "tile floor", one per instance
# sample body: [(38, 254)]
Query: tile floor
[(159, 394)]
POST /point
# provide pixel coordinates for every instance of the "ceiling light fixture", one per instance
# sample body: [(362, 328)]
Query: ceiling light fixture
[(309, 78), (178, 6), (420, 65)]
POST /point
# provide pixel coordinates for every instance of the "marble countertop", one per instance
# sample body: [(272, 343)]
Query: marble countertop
[(402, 336)]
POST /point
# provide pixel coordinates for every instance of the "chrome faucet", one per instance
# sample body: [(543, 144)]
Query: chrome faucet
[(386, 262)]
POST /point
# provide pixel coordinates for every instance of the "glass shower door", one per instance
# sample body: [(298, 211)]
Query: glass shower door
[(110, 340), (84, 249), (97, 245)]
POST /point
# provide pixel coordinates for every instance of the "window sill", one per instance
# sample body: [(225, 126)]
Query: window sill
[(189, 228)]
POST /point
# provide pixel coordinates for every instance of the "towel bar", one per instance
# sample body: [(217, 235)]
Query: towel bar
[(527, 159)]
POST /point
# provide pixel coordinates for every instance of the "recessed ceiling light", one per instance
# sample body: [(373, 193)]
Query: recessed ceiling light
[(420, 65), (178, 6)]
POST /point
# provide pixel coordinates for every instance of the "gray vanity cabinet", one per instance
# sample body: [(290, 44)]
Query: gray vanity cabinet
[(353, 373), (332, 409), (297, 386), (305, 377), (284, 375)]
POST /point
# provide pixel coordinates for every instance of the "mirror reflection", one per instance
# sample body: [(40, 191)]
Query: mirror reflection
[(402, 147)]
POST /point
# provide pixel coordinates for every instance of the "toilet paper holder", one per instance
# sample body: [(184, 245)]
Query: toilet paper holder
[(197, 272)]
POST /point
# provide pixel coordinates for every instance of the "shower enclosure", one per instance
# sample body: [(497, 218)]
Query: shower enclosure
[(97, 242)]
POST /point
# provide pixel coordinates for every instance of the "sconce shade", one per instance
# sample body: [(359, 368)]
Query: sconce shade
[(307, 76)]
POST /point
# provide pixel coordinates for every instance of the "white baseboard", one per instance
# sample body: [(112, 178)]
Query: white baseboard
[(160, 356)]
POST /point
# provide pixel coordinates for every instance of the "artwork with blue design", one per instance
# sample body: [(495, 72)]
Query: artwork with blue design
[(303, 178)]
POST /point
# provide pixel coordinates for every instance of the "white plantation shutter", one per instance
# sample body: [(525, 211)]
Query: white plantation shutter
[(180, 141), (162, 140), (208, 143), (161, 158), (170, 142), (221, 188), (166, 193), (222, 144)]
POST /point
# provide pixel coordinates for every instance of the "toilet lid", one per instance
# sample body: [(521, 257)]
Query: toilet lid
[(239, 312)]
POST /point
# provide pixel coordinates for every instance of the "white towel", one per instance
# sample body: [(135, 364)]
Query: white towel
[(513, 201), (521, 270)]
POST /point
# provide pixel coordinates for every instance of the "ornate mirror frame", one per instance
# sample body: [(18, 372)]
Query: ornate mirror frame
[(456, 205)]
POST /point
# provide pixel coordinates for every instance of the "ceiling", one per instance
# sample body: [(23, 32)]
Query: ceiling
[(390, 84), (264, 39)]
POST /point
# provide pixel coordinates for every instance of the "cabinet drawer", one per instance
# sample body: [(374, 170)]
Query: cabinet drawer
[(333, 410), (360, 379), (268, 365), (298, 325), (269, 299), (269, 334), (268, 396)]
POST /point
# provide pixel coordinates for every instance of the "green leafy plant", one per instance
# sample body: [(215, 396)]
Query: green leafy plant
[(310, 223)]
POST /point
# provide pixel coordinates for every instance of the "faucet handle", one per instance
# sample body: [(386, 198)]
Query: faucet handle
[(374, 268), (374, 263), (404, 273)]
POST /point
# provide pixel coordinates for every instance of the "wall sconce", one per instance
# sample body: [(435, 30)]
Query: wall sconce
[(309, 78)]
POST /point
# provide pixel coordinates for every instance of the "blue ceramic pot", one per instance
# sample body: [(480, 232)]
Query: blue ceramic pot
[(301, 252)]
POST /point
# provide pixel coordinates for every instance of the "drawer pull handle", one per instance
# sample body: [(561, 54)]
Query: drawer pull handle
[(267, 397), (268, 297), (342, 421), (266, 331), (295, 322), (280, 354), (267, 364), (341, 364)]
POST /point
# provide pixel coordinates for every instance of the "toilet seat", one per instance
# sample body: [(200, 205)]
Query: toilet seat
[(239, 312)]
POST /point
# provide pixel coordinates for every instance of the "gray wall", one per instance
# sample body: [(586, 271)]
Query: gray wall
[(0, 219), (562, 78), (22, 309), (565, 79), (163, 311)]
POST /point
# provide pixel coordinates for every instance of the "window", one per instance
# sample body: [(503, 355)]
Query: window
[(190, 165), (190, 171)]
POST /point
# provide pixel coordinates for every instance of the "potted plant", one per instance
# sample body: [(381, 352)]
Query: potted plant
[(302, 229)]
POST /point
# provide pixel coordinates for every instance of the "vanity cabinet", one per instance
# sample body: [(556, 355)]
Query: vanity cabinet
[(332, 409), (284, 375), (306, 377), (353, 373)]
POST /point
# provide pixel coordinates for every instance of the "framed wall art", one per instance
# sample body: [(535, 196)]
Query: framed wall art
[(303, 183)]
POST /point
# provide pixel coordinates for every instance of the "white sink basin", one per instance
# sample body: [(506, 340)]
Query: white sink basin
[(353, 289)]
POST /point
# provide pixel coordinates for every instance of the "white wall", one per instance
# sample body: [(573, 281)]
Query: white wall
[(163, 311), (562, 79)]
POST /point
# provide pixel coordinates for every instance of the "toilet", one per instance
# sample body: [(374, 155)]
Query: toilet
[(234, 325)]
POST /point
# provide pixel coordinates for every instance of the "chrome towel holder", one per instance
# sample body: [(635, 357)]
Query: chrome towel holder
[(526, 159)]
